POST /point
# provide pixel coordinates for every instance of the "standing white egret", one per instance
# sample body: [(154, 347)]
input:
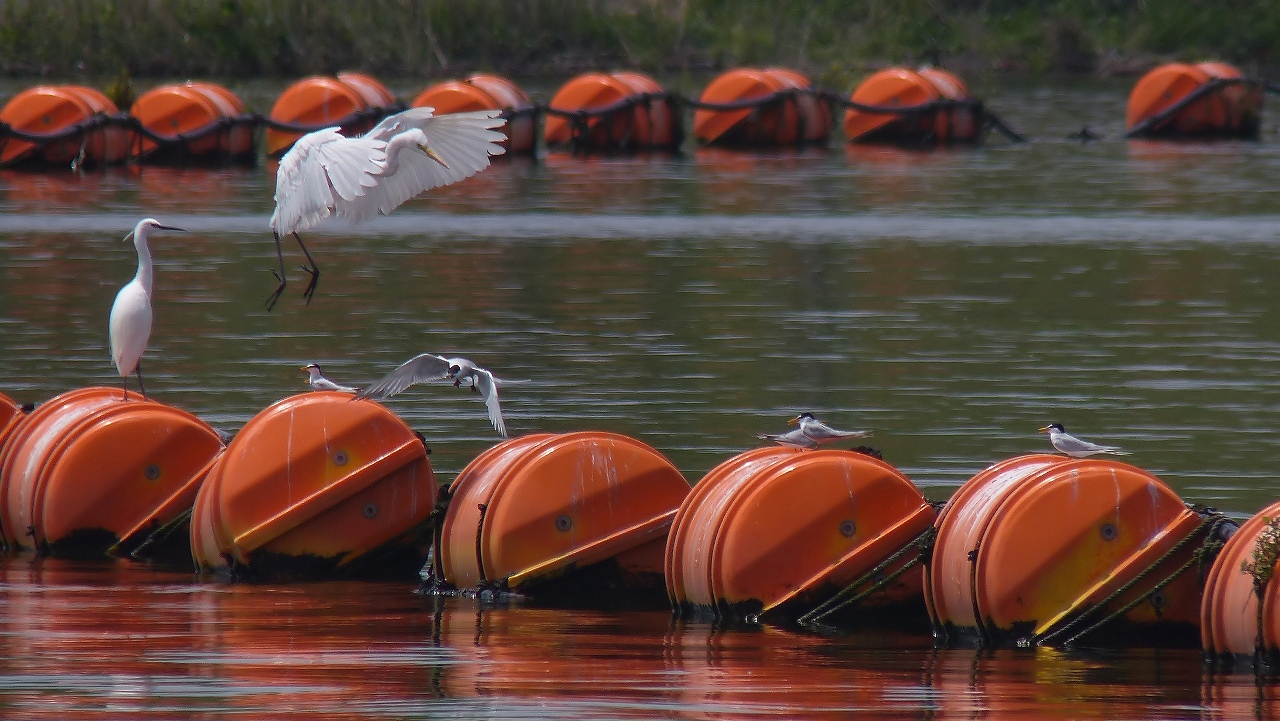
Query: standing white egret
[(131, 311), (1075, 447), (427, 367), (326, 173), (318, 382)]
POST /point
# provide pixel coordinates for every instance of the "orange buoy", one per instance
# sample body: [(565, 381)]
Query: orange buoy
[(936, 121), (616, 112), (1231, 623), (785, 534), (591, 507), (89, 473), (57, 111), (11, 414), (485, 92), (313, 485), (1209, 99), (779, 107), (1045, 549), (195, 119), (356, 103)]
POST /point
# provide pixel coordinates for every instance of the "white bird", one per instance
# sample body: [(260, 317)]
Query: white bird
[(318, 382), (130, 327), (427, 367), (1074, 447), (821, 433), (326, 173), (793, 438)]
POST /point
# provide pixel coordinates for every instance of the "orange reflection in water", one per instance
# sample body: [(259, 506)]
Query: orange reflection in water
[(99, 641)]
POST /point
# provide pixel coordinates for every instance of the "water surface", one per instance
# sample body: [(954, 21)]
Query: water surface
[(952, 302)]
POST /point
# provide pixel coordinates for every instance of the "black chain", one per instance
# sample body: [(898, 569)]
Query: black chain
[(849, 595)]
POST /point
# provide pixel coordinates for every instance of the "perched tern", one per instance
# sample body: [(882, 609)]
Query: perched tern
[(320, 383), (821, 433), (793, 438), (428, 367), (326, 173), (130, 326), (1074, 447)]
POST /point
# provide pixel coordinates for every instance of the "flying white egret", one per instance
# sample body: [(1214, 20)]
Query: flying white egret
[(326, 173), (1074, 447), (131, 311), (318, 382), (427, 367), (820, 432)]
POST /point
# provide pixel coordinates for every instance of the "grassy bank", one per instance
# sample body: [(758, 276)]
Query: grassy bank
[(832, 40)]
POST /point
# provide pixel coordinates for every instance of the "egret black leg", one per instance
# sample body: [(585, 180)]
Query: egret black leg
[(271, 301), (314, 270), (142, 387)]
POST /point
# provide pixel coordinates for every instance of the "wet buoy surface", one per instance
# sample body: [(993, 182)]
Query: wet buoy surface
[(1042, 549), (1231, 623), (194, 119), (316, 484), (614, 112), (11, 414), (892, 88), (52, 110), (1204, 100), (485, 92), (89, 472), (781, 533), (534, 509), (356, 104), (778, 108)]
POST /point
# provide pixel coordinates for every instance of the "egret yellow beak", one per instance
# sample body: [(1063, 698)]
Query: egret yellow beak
[(434, 156)]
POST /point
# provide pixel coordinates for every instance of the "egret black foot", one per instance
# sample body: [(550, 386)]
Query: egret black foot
[(275, 296), (311, 287)]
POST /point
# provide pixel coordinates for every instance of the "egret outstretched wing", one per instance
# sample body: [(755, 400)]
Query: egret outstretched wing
[(461, 142), (425, 367), (321, 174)]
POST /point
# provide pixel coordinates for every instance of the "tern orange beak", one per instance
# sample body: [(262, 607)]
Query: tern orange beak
[(1044, 430), (793, 421)]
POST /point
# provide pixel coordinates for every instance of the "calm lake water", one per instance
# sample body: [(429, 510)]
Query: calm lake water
[(952, 302)]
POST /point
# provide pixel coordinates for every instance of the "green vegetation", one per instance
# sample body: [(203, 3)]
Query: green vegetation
[(834, 39)]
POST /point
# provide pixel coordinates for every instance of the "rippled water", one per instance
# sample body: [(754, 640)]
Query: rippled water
[(952, 302)]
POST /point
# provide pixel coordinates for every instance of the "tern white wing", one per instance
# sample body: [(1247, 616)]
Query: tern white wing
[(489, 391), (425, 367), (795, 439)]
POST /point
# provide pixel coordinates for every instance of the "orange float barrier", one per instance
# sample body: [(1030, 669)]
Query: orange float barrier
[(1044, 549), (787, 534), (1240, 614), (61, 125), (354, 101), (561, 518), (486, 92), (88, 473), (762, 107), (193, 119), (315, 485), (612, 112), (11, 414), (913, 107), (1179, 100)]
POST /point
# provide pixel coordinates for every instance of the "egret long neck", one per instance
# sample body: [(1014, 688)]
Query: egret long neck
[(145, 273), (406, 140)]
